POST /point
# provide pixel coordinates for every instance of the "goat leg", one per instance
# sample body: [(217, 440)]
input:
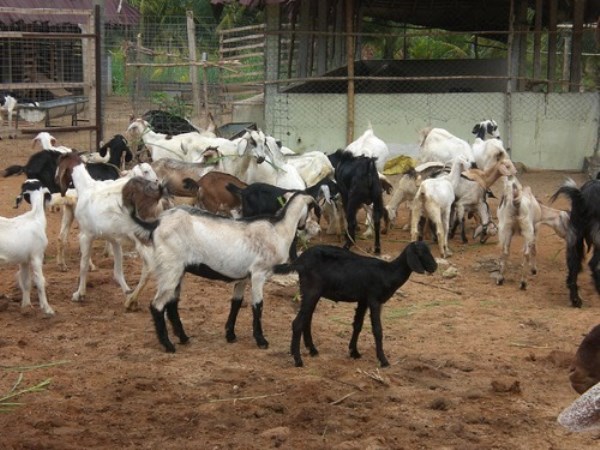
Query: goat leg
[(359, 317), (236, 304), (594, 265), (257, 325), (574, 258), (375, 313), (173, 315), (161, 329)]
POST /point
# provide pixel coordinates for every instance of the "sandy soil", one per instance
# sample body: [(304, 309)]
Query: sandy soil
[(473, 365)]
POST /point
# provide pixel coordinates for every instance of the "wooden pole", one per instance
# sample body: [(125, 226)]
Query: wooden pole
[(576, 45), (537, 40), (205, 85), (138, 73), (191, 34), (350, 64), (552, 43), (510, 74)]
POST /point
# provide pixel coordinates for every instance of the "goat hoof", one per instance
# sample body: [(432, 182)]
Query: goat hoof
[(313, 352), (49, 313), (169, 348), (298, 363), (576, 303), (77, 297), (63, 267), (355, 354), (231, 338), (523, 285), (264, 344), (385, 363), (184, 340), (533, 271)]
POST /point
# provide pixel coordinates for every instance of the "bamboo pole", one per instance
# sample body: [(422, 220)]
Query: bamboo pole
[(191, 34), (350, 64)]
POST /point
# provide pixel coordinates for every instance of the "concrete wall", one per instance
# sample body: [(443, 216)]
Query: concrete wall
[(554, 131)]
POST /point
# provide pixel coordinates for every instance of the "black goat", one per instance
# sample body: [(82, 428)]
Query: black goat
[(343, 276), (168, 123), (359, 184), (42, 165), (119, 151), (584, 226), (259, 199)]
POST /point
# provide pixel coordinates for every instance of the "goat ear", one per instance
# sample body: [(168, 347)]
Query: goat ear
[(241, 147), (413, 258), (33, 141), (476, 129)]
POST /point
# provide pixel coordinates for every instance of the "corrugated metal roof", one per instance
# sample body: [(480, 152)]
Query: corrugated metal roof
[(113, 14)]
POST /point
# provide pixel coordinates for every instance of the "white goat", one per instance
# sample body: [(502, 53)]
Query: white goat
[(23, 241), (406, 188), (438, 144), (8, 103), (255, 157), (99, 213), (519, 212), (166, 146), (433, 201), (190, 240), (68, 202), (471, 193), (370, 145), (45, 141)]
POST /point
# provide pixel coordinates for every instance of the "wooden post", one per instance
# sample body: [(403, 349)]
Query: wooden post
[(537, 40), (566, 62), (521, 21), (303, 70), (350, 63), (138, 73), (98, 24), (552, 43), (205, 85), (510, 75), (322, 39), (576, 45), (191, 34)]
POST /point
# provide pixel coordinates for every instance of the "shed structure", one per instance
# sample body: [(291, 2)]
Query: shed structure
[(335, 67)]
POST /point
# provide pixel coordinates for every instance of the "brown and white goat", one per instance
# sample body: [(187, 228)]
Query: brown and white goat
[(213, 196)]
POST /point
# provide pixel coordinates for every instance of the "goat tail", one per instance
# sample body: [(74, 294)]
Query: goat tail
[(284, 269), (235, 190), (578, 205), (423, 133), (13, 170)]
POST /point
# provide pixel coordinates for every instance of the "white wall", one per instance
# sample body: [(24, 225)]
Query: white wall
[(554, 131)]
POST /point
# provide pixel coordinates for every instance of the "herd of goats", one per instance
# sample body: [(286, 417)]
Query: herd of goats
[(253, 199)]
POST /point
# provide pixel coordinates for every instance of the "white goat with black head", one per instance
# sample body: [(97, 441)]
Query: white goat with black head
[(23, 241)]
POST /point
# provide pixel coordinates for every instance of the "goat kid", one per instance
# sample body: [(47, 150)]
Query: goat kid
[(23, 241), (191, 240), (343, 276), (519, 212)]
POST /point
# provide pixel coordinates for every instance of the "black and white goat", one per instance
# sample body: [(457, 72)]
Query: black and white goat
[(23, 241), (343, 276), (190, 240), (584, 227)]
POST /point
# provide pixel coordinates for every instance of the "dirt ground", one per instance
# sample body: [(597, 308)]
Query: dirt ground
[(473, 365)]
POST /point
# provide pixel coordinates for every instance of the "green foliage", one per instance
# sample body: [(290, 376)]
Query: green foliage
[(174, 105)]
